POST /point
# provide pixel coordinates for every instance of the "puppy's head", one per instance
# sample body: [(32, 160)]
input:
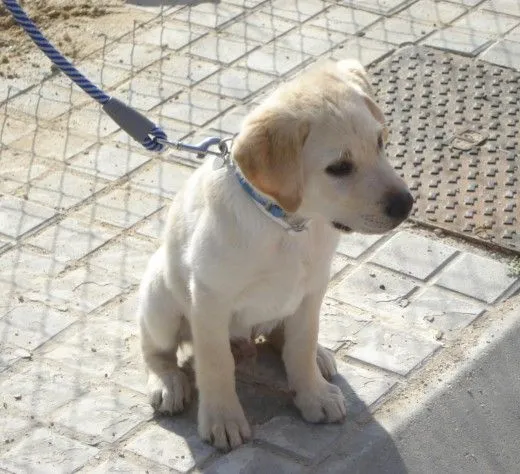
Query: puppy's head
[(316, 146)]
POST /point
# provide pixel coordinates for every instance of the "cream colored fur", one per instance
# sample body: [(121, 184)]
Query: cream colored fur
[(226, 271)]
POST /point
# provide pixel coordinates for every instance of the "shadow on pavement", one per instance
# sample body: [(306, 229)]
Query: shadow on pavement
[(279, 428)]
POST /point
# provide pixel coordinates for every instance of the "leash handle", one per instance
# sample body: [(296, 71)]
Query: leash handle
[(134, 123)]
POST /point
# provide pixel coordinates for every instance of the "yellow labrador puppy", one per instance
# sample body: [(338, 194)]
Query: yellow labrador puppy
[(249, 242)]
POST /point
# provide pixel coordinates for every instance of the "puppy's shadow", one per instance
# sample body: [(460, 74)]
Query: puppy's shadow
[(267, 402)]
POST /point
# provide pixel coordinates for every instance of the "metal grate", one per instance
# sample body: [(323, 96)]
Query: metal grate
[(454, 134)]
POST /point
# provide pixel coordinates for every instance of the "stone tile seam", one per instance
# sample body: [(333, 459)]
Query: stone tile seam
[(429, 278), (390, 319), (397, 9), (355, 362), (109, 187), (491, 37), (506, 14), (511, 291), (280, 451), (435, 278), (488, 46), (146, 464), (62, 430)]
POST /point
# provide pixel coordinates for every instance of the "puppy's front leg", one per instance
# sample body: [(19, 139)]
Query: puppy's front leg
[(221, 417), (317, 399)]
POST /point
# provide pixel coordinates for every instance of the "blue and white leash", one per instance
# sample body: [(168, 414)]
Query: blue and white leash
[(144, 130), (134, 123)]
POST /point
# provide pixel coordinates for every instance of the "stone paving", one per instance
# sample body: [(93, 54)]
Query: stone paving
[(82, 207)]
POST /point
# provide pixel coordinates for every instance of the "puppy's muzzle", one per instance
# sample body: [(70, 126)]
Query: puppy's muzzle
[(399, 204)]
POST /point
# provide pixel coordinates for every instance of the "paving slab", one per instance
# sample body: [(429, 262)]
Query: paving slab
[(180, 69), (47, 452), (9, 354), (297, 437), (172, 35), (343, 19), (339, 324), (18, 168), (399, 30), (38, 389), (63, 189), (504, 53), (12, 427), (207, 14), (413, 255), (376, 6), (162, 178), (19, 216), (362, 386), (296, 10), (373, 289), (259, 27), (222, 48), (236, 83), (122, 207), (482, 278), (95, 346), (177, 450), (83, 288), (458, 41), (104, 414), (50, 143), (366, 50), (508, 7), (391, 348), (71, 239), (108, 161), (434, 12), (29, 325), (195, 108), (439, 310), (254, 459)]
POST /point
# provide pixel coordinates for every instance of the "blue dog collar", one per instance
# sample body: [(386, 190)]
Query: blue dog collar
[(290, 222)]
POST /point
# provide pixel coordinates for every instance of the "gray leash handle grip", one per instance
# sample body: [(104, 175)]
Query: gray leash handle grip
[(130, 120)]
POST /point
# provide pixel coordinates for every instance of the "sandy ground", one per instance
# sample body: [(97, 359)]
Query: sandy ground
[(77, 28)]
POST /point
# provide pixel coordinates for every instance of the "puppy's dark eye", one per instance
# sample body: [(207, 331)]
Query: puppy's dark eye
[(380, 142), (340, 168)]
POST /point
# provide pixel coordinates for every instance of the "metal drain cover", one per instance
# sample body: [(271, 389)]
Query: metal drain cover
[(454, 128)]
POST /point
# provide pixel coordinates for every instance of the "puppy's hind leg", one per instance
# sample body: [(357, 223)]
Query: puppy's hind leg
[(324, 356), (160, 319)]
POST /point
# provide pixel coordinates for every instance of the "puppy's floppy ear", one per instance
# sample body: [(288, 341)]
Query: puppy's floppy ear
[(267, 150), (353, 70), (377, 113), (356, 72)]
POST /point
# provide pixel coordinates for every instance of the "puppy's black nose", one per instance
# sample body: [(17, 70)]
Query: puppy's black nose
[(399, 205)]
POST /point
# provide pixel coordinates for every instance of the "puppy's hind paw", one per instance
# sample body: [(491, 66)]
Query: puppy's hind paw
[(326, 362), (323, 404), (169, 393)]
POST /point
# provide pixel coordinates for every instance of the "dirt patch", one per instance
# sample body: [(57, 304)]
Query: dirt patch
[(75, 28)]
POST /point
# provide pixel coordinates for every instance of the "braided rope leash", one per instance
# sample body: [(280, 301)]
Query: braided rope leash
[(134, 123)]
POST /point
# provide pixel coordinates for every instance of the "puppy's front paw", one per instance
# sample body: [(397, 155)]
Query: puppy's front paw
[(169, 393), (324, 403), (326, 362), (223, 425)]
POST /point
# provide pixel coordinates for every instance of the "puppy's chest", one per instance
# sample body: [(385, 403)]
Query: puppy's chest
[(288, 272)]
